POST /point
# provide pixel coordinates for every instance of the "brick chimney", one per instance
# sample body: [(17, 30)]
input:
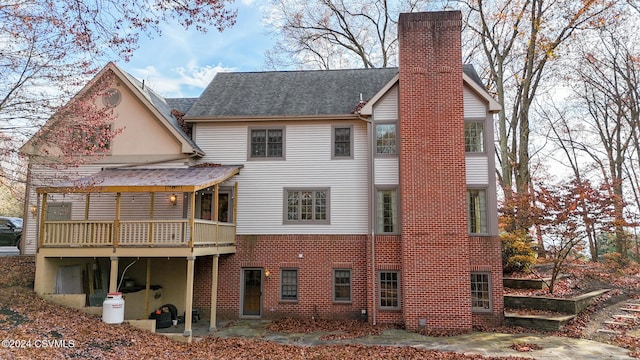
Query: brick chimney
[(435, 279)]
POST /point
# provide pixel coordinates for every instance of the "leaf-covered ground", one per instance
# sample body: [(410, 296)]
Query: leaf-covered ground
[(37, 329), (624, 280)]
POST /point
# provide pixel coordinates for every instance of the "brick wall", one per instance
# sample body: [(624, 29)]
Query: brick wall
[(321, 254), (435, 251), (486, 257), (387, 257)]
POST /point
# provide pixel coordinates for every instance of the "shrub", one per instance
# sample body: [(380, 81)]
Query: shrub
[(616, 260), (518, 254)]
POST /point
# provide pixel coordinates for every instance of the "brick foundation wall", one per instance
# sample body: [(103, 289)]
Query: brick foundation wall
[(486, 256), (484, 252), (387, 257), (435, 251), (321, 254)]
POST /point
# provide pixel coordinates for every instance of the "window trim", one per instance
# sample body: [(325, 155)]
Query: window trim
[(282, 299), (333, 142), (343, 301), (484, 137), (285, 207), (486, 209), (380, 272), (375, 201), (250, 156), (375, 140), (489, 292)]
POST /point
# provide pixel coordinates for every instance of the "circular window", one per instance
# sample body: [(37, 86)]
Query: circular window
[(111, 98)]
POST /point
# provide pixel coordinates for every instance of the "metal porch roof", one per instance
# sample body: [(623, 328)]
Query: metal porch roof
[(146, 180)]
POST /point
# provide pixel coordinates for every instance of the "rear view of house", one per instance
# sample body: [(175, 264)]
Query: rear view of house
[(365, 193)]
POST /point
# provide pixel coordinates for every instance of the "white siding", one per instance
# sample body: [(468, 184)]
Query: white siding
[(477, 170), (308, 164), (474, 106), (386, 171), (387, 107)]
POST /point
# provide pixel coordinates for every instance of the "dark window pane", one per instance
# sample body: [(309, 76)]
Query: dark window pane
[(342, 144), (258, 143), (289, 284), (342, 281)]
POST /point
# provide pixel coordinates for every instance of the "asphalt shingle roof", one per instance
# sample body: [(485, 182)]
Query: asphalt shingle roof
[(289, 93), (293, 93), (143, 180)]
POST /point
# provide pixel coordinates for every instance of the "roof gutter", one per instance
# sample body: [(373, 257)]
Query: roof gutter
[(235, 119)]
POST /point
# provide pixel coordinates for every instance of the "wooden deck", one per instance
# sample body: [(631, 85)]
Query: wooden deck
[(138, 236)]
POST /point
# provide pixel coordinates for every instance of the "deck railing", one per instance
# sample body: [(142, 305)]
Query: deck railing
[(136, 233)]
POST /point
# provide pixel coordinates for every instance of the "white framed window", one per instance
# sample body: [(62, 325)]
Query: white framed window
[(306, 206), (386, 139), (480, 291), (342, 285), (474, 136), (289, 284), (387, 210), (266, 143), (477, 211), (389, 289)]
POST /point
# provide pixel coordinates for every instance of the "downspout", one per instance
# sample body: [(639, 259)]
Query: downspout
[(371, 204)]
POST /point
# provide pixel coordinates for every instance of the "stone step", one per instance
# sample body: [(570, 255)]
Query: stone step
[(608, 331), (622, 316), (540, 322), (630, 310), (617, 323)]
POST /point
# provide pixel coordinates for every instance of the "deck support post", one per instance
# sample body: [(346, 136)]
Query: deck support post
[(214, 292), (188, 303), (113, 275)]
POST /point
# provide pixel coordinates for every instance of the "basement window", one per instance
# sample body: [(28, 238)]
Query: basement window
[(480, 292)]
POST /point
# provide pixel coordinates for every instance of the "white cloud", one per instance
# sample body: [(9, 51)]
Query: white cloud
[(187, 81)]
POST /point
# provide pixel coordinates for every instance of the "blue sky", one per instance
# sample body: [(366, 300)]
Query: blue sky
[(181, 63)]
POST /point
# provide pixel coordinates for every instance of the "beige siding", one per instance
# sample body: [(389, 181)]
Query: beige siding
[(308, 164), (474, 106), (477, 170), (102, 206), (387, 107), (386, 110), (386, 171), (142, 134), (46, 176), (477, 165)]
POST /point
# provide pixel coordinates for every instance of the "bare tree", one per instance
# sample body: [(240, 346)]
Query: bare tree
[(329, 34), (608, 79), (520, 40), (48, 49)]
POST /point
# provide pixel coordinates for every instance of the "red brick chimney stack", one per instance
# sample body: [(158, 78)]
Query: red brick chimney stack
[(435, 246)]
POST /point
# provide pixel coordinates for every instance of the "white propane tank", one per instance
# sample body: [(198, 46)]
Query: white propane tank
[(113, 308)]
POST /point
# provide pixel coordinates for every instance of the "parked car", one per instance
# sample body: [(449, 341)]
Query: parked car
[(10, 231)]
